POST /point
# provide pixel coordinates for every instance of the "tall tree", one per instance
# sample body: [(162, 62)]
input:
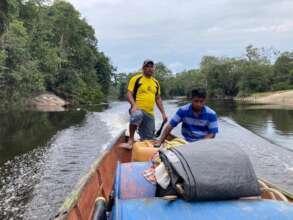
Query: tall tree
[(3, 16), (104, 71), (49, 47), (283, 71), (163, 74), (221, 75)]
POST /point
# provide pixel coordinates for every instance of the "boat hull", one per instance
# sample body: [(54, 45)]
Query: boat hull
[(97, 182)]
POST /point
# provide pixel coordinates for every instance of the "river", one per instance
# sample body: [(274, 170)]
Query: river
[(43, 155)]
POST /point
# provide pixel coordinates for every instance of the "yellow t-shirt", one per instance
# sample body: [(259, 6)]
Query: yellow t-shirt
[(147, 90)]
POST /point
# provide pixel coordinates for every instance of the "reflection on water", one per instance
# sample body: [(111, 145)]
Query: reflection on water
[(274, 124), (32, 162), (21, 132)]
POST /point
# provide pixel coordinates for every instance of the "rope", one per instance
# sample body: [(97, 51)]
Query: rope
[(272, 192), (275, 193)]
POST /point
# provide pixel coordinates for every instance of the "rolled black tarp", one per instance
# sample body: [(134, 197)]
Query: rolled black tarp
[(211, 170)]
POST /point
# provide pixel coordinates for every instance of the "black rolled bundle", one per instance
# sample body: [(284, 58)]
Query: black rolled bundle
[(210, 170)]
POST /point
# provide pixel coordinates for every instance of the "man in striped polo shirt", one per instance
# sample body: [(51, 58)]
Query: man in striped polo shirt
[(198, 120)]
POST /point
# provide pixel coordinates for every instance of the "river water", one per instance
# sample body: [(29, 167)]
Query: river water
[(43, 155)]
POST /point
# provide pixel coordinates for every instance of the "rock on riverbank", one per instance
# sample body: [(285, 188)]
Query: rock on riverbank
[(48, 102)]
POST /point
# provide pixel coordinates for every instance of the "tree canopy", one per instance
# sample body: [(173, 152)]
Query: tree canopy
[(227, 77), (49, 47)]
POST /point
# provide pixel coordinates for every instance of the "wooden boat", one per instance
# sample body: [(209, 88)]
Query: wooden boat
[(99, 181)]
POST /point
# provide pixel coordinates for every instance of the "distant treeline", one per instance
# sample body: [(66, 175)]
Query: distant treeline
[(49, 48), (225, 77)]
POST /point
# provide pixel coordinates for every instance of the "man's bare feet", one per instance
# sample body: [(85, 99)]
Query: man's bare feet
[(127, 145)]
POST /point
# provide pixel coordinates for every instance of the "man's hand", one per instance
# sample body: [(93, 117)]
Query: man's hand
[(131, 102), (210, 136), (164, 117), (161, 108), (133, 109), (157, 144)]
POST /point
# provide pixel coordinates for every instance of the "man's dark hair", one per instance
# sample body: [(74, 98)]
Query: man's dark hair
[(200, 93)]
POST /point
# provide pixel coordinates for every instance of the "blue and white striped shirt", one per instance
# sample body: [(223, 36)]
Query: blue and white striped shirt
[(195, 127)]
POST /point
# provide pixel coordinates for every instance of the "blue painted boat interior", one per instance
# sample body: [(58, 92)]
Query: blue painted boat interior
[(135, 199), (130, 183), (156, 208)]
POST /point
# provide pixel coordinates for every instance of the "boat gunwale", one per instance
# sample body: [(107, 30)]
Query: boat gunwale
[(72, 200)]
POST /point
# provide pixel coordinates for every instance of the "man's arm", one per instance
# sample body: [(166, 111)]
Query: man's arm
[(130, 99), (177, 118), (212, 127), (130, 90), (209, 136), (161, 107), (165, 134)]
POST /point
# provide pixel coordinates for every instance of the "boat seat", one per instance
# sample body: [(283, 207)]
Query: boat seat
[(130, 182), (156, 208)]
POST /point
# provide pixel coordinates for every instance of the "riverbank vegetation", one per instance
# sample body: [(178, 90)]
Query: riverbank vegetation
[(48, 47), (259, 70)]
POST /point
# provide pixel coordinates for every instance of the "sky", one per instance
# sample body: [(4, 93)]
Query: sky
[(180, 32)]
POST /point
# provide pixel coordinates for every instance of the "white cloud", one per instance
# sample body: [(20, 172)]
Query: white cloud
[(176, 67), (181, 31)]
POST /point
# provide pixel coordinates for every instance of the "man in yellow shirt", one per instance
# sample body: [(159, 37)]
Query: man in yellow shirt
[(143, 93)]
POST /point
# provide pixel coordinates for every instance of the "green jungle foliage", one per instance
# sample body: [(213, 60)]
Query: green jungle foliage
[(225, 77), (50, 48)]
